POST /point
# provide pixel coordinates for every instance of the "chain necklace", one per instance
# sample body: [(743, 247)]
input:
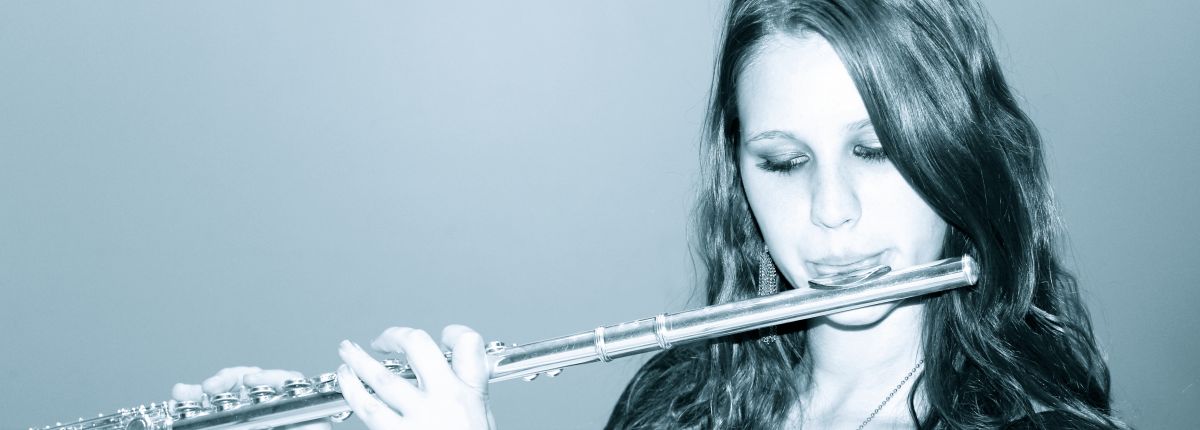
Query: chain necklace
[(893, 393)]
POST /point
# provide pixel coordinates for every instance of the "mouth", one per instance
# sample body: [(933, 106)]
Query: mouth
[(842, 264)]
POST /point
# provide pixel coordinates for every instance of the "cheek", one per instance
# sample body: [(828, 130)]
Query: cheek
[(781, 210), (776, 204), (897, 209)]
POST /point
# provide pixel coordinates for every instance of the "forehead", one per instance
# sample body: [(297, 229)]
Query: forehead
[(799, 85)]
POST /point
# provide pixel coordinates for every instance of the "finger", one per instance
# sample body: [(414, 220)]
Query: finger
[(470, 362), (389, 340), (369, 409), (226, 379), (426, 359), (392, 389), (185, 392), (452, 332), (273, 377)]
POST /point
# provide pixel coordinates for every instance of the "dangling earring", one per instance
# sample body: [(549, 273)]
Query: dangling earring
[(768, 278), (768, 284)]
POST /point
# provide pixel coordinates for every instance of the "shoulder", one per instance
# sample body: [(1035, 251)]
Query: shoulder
[(1058, 420)]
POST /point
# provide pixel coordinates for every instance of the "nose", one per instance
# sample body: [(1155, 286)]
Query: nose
[(834, 200)]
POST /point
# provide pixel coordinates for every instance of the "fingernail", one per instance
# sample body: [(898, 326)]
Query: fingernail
[(349, 371), (345, 344), (343, 373)]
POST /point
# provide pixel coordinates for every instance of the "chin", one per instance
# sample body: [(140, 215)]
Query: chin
[(862, 317)]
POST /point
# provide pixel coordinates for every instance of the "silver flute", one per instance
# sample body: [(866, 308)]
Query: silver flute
[(300, 400)]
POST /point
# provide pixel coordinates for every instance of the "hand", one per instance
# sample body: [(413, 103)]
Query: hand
[(451, 396), (231, 378)]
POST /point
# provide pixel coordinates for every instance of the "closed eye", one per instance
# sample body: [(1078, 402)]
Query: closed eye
[(869, 153), (783, 165)]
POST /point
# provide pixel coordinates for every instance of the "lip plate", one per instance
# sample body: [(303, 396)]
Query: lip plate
[(821, 270)]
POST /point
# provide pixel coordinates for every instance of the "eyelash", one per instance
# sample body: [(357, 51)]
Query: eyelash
[(783, 167), (872, 155)]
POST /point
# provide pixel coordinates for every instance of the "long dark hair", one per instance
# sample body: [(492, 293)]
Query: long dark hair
[(948, 121)]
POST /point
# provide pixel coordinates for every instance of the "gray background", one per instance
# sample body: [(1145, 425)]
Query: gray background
[(189, 186)]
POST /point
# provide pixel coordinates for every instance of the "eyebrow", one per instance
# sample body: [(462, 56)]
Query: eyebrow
[(864, 123), (859, 125), (772, 134)]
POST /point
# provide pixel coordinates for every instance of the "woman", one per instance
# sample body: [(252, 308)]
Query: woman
[(866, 132), (841, 135)]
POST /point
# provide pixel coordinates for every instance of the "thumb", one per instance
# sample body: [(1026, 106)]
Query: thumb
[(470, 362)]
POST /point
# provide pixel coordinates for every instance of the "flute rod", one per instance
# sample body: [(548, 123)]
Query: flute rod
[(661, 332)]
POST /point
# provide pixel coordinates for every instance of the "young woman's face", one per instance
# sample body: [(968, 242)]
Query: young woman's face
[(825, 195)]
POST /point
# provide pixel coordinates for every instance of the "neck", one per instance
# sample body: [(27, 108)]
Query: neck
[(846, 356)]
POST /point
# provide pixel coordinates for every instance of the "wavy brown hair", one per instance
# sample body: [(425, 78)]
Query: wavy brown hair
[(949, 123)]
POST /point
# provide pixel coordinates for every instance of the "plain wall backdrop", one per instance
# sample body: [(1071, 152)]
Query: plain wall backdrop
[(190, 186)]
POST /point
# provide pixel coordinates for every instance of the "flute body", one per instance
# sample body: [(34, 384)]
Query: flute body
[(320, 397)]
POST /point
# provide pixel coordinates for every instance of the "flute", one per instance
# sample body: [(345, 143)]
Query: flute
[(301, 400)]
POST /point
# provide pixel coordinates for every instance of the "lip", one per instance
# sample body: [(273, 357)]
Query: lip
[(836, 265)]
